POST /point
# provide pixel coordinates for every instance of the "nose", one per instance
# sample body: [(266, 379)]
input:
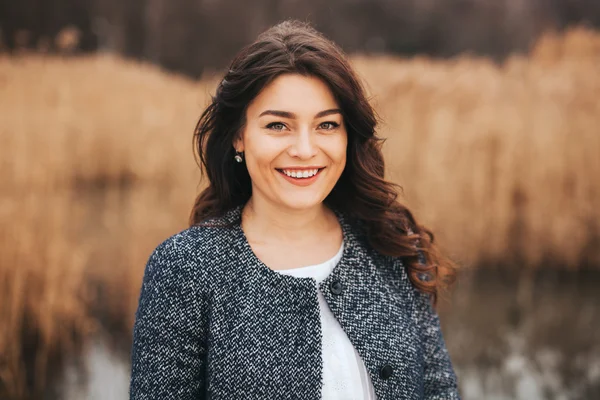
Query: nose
[(303, 146)]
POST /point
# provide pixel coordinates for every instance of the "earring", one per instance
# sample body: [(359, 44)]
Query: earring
[(238, 157)]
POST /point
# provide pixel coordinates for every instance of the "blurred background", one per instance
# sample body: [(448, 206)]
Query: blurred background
[(491, 111)]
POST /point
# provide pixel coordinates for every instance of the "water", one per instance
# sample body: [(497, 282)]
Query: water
[(526, 335), (107, 379)]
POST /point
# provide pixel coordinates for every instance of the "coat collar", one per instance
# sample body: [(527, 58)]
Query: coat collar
[(233, 217), (354, 241)]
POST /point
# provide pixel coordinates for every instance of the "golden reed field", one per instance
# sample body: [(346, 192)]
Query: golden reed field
[(502, 161)]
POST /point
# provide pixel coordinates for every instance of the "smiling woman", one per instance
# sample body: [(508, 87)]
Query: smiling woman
[(301, 275)]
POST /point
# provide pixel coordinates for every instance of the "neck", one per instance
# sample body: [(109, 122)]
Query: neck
[(262, 219)]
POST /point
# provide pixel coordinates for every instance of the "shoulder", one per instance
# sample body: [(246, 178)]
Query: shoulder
[(190, 252), (195, 252), (194, 241)]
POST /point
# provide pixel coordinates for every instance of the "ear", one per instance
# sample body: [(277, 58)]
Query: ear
[(238, 143)]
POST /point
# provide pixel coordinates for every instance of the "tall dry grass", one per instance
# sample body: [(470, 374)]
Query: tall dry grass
[(501, 161), (97, 168)]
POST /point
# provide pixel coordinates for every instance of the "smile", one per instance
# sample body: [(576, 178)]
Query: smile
[(300, 176), (295, 173)]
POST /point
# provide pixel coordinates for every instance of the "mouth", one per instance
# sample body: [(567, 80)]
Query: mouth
[(301, 176)]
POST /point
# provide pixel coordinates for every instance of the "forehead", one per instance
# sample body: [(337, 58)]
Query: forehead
[(295, 93)]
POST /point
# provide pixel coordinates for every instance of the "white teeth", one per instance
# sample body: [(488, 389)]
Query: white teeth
[(307, 173)]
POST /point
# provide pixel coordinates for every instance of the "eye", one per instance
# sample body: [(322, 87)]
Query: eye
[(276, 126), (329, 125)]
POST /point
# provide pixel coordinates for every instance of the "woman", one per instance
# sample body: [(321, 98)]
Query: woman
[(301, 276)]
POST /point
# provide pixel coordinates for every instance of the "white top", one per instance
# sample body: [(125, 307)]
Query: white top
[(344, 374)]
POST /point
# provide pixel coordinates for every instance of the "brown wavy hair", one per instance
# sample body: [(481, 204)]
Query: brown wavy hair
[(361, 192)]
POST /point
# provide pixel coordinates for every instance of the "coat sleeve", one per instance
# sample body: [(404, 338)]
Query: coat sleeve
[(168, 352), (440, 381)]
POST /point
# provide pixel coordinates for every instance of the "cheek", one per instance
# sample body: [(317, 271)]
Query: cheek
[(338, 150), (260, 154)]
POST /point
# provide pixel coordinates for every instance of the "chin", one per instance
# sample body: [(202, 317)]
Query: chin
[(301, 202)]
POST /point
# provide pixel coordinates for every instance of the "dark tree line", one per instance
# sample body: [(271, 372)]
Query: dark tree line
[(191, 35)]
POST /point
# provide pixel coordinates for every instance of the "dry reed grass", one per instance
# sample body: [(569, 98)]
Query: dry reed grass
[(42, 290), (501, 161), (96, 168)]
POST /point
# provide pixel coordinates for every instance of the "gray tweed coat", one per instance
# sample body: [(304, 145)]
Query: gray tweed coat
[(214, 322)]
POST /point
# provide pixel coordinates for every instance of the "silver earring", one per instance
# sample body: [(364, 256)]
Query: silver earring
[(238, 157)]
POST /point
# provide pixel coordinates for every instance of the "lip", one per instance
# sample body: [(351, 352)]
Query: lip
[(301, 181), (302, 168)]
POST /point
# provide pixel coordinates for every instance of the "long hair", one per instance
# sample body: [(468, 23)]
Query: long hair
[(361, 192)]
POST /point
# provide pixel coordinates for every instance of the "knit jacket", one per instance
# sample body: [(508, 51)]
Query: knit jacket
[(214, 322)]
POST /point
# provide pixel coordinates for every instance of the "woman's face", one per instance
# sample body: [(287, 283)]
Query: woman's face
[(294, 142)]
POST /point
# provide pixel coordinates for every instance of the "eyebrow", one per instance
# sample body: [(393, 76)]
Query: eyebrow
[(291, 115)]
